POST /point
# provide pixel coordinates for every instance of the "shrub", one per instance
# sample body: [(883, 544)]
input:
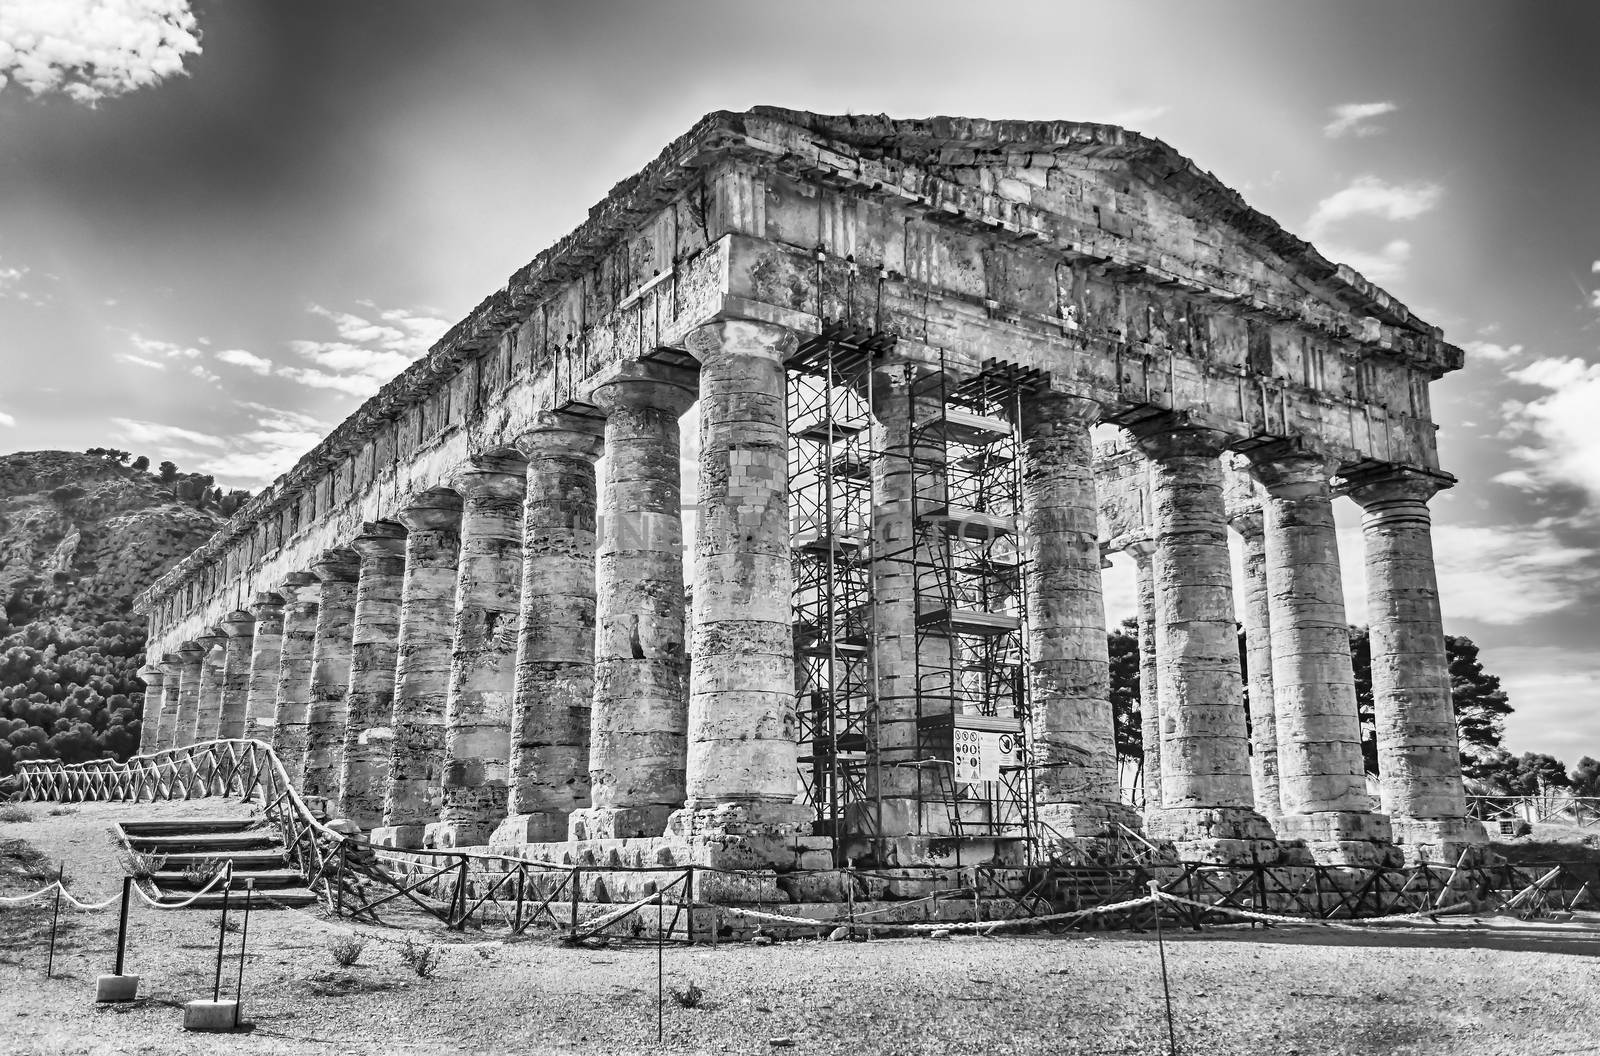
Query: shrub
[(11, 812), (346, 949), (140, 866), (689, 997), (422, 958), (200, 873)]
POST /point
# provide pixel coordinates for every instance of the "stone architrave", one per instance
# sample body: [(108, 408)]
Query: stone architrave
[(240, 627), (1074, 741), (337, 570), (422, 667), (150, 717), (483, 666), (369, 704), (1143, 553), (208, 707), (742, 725), (1419, 760), (191, 657), (172, 669), (302, 592), (266, 655), (1207, 803), (637, 749), (556, 637), (1257, 621), (1321, 776)]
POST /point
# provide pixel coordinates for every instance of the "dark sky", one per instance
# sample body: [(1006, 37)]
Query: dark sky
[(218, 265)]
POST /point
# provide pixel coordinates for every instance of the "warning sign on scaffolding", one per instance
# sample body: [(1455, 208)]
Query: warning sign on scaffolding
[(981, 753)]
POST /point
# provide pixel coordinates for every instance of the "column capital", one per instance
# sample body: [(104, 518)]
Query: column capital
[(379, 540), (1174, 436), (1249, 523), (645, 386), (296, 580), (266, 605), (191, 653), (433, 510), (1379, 485), (1058, 408), (748, 336), (555, 433), (171, 662), (239, 624), (491, 476), (1139, 549), (338, 565), (211, 638), (1289, 471), (152, 675)]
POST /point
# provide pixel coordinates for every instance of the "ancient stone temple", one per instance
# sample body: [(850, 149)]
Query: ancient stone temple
[(485, 610)]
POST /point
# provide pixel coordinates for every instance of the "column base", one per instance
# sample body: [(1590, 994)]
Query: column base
[(1220, 835), (1344, 837), (618, 823), (1089, 820), (448, 835), (757, 818), (542, 827), (399, 837), (1441, 841)]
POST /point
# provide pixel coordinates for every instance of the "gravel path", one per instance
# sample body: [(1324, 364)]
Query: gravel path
[(1508, 988)]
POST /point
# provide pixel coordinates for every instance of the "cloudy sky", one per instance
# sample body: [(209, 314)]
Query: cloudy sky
[(222, 225)]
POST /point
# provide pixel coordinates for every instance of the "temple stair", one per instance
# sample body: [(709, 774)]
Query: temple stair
[(190, 844)]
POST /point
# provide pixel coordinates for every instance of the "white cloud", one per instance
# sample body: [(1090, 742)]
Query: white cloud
[(152, 347), (92, 49), (1386, 265), (10, 276), (1371, 196), (1356, 118), (1137, 115), (6, 419), (1491, 351), (371, 348), (140, 361), (133, 430), (1595, 267), (240, 358), (1558, 442), (355, 385), (1509, 575)]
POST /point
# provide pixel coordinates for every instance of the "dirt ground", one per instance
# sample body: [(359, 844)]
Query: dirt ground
[(1500, 987)]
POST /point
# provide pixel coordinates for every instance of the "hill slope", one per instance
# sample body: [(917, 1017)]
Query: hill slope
[(80, 535)]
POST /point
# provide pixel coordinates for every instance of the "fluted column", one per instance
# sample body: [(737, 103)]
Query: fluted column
[(556, 636), (265, 657), (240, 627), (208, 709), (637, 752), (337, 570), (1143, 553), (369, 705), (422, 667), (1419, 760), (742, 725), (172, 670), (291, 710), (191, 656), (1074, 730), (1257, 620), (483, 664), (1207, 804), (150, 716), (1322, 784)]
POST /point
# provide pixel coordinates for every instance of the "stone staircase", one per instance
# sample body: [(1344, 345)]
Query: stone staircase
[(251, 844)]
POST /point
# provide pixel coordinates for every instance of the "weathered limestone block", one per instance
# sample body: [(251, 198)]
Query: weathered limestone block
[(337, 570), (208, 705), (1207, 804), (172, 670), (1074, 744), (422, 667), (556, 637), (240, 627), (369, 704), (1143, 553), (265, 657), (292, 708), (1419, 764), (483, 663), (1258, 656), (191, 655), (150, 721), (1321, 776), (637, 754), (742, 726)]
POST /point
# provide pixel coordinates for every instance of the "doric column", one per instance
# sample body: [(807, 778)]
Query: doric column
[(483, 667), (337, 570), (302, 592), (240, 627), (1207, 805), (742, 725), (1257, 622), (422, 667), (1143, 553), (1419, 763), (208, 708), (1074, 734), (1322, 785), (637, 754), (369, 706), (172, 670), (265, 656), (191, 655), (150, 716), (556, 636)]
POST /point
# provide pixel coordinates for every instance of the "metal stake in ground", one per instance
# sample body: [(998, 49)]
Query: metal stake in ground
[(55, 917), (244, 937), (222, 937), (1166, 991), (661, 972), (122, 924)]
